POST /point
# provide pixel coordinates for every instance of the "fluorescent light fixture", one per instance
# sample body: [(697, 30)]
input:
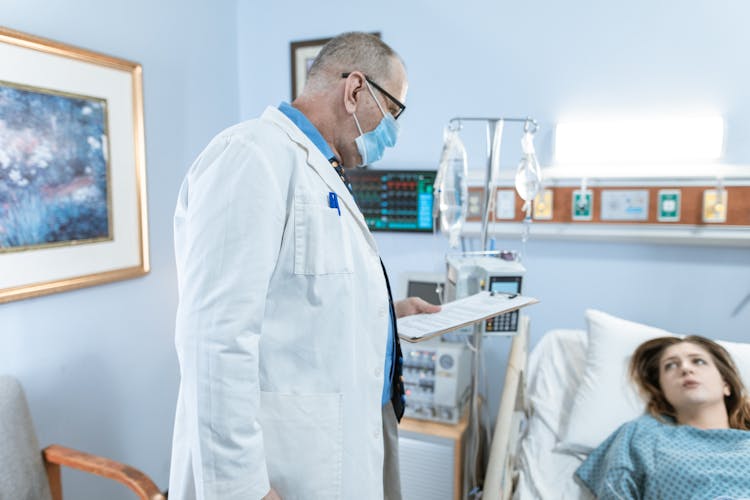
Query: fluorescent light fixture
[(647, 140)]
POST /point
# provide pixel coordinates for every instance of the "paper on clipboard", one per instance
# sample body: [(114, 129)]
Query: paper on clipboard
[(459, 313)]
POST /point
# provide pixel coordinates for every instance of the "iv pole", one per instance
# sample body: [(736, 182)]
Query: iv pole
[(493, 154), (494, 138)]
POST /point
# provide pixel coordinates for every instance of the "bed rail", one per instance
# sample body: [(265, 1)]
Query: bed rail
[(498, 481)]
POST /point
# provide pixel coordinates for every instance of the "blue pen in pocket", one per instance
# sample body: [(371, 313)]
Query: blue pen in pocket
[(333, 202)]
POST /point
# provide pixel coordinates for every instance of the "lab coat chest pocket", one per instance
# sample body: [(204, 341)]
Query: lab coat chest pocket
[(302, 435), (321, 238)]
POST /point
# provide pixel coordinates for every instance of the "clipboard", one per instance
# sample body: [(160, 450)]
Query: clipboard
[(459, 313)]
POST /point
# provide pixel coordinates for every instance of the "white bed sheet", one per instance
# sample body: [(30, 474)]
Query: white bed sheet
[(554, 368)]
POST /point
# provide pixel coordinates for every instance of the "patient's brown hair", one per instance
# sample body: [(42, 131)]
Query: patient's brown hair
[(644, 369)]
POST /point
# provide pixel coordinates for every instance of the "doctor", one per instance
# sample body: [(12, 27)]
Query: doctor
[(285, 328)]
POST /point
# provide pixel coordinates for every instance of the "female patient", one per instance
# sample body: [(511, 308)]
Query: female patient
[(693, 441)]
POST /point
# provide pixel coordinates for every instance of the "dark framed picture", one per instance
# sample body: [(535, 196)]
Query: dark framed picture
[(72, 168), (302, 55)]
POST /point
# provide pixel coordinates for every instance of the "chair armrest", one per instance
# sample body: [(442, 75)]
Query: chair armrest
[(131, 477)]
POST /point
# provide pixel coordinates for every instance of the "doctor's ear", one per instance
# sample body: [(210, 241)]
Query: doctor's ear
[(353, 85)]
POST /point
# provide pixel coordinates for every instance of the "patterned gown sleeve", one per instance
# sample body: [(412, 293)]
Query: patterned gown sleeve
[(616, 468)]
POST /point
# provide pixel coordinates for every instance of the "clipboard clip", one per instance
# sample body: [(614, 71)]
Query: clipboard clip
[(508, 295)]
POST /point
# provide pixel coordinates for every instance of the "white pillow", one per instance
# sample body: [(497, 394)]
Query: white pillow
[(740, 353), (606, 397)]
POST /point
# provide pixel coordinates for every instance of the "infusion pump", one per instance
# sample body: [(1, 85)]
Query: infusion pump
[(467, 275), (437, 373), (437, 380)]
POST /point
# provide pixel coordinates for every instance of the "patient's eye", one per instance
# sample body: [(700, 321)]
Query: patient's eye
[(669, 365), (700, 361)]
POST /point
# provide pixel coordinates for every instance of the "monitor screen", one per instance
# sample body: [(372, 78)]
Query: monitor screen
[(394, 200), (504, 286), (427, 290)]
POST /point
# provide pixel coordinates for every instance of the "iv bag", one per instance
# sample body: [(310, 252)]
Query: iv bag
[(528, 174), (451, 190)]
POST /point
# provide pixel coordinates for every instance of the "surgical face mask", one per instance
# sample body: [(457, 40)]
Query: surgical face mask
[(372, 144)]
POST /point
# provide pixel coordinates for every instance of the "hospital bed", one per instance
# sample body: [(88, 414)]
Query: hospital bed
[(523, 463), (563, 399)]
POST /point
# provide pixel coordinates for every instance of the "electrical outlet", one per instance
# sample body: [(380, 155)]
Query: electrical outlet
[(668, 207), (474, 207), (543, 205), (505, 204), (583, 204), (715, 205)]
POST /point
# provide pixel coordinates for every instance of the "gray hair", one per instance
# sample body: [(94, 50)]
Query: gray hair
[(353, 51)]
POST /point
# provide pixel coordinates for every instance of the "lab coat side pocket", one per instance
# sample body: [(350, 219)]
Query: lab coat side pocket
[(302, 435), (321, 238)]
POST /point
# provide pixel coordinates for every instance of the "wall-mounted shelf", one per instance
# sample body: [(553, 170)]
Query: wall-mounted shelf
[(689, 228)]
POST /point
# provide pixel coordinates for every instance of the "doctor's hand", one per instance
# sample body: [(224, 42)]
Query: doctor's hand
[(414, 305), (272, 495)]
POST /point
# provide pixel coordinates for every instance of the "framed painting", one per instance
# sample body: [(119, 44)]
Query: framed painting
[(302, 55), (73, 209)]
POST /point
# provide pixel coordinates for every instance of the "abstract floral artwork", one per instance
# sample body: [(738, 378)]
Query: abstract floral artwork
[(53, 169), (73, 208)]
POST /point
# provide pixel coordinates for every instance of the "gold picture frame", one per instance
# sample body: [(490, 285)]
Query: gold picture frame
[(73, 208)]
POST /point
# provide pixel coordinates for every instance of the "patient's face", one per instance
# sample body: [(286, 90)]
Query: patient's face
[(689, 377)]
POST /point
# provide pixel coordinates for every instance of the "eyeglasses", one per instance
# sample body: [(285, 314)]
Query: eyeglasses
[(401, 106)]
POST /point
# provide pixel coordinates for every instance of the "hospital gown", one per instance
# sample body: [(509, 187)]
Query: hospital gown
[(650, 459)]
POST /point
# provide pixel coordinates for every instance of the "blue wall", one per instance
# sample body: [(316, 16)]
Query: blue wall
[(98, 364), (548, 60)]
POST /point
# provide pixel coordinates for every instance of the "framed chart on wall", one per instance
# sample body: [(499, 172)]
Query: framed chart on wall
[(73, 209), (302, 54)]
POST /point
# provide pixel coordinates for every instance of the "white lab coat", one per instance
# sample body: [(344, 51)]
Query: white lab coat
[(281, 328)]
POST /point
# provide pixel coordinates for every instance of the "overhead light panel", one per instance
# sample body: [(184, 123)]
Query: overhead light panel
[(643, 140)]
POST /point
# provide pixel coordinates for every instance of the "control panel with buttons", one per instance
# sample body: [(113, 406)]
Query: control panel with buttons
[(436, 380), (507, 322)]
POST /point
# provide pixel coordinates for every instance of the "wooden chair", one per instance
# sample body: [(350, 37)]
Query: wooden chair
[(26, 473)]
